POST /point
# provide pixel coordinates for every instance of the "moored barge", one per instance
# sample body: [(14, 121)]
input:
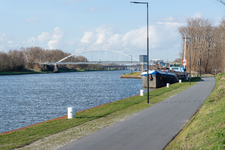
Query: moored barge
[(158, 78)]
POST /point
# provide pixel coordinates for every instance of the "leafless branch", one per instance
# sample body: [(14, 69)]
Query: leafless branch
[(221, 1)]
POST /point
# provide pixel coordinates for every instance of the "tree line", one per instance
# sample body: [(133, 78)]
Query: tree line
[(31, 57), (204, 42)]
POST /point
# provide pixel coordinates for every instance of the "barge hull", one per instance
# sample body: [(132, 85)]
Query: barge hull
[(156, 81)]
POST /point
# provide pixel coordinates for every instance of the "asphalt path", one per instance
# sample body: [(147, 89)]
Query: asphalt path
[(152, 128)]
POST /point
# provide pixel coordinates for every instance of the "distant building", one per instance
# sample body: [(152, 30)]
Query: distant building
[(143, 58)]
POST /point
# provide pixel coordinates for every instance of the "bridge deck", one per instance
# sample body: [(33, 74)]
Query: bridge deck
[(95, 62)]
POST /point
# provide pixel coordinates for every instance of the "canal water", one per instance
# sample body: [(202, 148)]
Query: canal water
[(33, 98)]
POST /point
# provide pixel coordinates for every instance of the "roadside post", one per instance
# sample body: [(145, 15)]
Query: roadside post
[(71, 112), (142, 92), (168, 85), (199, 66)]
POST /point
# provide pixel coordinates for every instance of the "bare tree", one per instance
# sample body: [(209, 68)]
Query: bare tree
[(221, 1), (16, 60), (205, 43), (31, 57), (4, 62)]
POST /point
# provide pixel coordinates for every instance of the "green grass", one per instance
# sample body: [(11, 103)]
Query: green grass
[(133, 74), (29, 135), (15, 73), (23, 72), (38, 72), (206, 130)]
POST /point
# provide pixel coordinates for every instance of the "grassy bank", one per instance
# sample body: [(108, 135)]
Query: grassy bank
[(206, 130), (40, 72), (135, 75), (17, 73), (110, 111), (23, 72)]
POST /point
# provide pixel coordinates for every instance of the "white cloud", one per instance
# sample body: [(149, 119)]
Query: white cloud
[(44, 36), (114, 40), (53, 39), (163, 35), (31, 40), (31, 19), (87, 37), (105, 37), (198, 15), (3, 38), (7, 43), (101, 38), (169, 19), (57, 40)]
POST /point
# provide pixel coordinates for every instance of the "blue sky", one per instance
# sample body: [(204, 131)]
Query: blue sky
[(78, 25)]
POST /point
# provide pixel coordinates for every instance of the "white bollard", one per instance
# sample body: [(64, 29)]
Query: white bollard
[(180, 81), (71, 112), (168, 85), (142, 92)]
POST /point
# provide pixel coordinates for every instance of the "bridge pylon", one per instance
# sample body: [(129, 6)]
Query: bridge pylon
[(56, 70)]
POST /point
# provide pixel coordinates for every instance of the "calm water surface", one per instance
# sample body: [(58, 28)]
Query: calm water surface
[(29, 99)]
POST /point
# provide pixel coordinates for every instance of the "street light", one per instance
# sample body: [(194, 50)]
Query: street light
[(147, 51), (184, 63)]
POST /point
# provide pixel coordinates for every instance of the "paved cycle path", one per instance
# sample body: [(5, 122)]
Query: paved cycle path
[(152, 128)]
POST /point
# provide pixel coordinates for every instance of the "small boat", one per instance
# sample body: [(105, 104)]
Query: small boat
[(158, 78)]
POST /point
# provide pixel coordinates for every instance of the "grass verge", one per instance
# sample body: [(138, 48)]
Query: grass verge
[(39, 72), (206, 130), (112, 110), (17, 73), (23, 72), (138, 74), (134, 75)]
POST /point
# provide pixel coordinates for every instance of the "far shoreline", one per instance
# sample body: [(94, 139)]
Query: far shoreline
[(47, 72)]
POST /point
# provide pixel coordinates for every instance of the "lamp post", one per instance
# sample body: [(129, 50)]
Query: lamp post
[(147, 50), (199, 65), (184, 63)]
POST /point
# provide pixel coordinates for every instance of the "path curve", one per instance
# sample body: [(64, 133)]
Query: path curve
[(152, 128)]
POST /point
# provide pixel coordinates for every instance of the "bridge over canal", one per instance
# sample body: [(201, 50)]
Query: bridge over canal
[(109, 60)]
